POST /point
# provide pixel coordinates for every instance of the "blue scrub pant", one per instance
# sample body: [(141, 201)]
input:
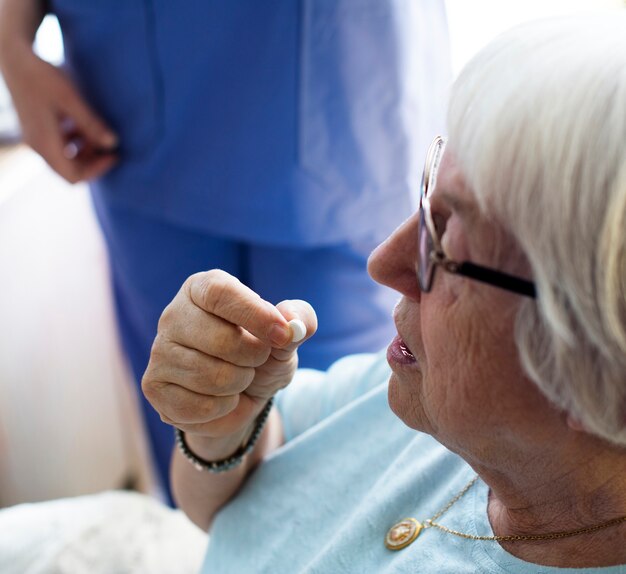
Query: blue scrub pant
[(150, 259)]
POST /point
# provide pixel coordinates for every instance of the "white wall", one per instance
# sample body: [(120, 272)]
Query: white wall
[(474, 22)]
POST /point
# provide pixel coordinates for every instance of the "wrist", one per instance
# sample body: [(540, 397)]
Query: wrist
[(224, 454), (14, 54), (210, 448), (19, 22)]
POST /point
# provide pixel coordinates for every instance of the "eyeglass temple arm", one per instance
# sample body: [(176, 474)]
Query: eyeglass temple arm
[(496, 278)]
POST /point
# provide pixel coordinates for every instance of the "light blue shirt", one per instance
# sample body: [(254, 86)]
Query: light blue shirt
[(350, 470), (293, 122)]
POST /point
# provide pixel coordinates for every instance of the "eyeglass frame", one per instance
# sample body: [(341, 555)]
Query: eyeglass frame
[(437, 257)]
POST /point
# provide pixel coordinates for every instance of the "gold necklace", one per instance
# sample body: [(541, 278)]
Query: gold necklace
[(403, 533)]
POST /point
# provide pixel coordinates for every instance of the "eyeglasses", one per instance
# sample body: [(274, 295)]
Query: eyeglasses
[(430, 253)]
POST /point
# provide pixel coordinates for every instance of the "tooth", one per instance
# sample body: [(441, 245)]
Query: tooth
[(406, 352)]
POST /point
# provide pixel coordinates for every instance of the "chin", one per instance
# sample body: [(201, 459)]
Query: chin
[(400, 402)]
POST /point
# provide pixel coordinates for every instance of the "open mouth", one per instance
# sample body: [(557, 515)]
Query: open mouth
[(405, 351), (399, 353)]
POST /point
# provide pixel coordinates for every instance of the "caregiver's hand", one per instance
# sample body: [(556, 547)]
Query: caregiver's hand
[(220, 353), (55, 119)]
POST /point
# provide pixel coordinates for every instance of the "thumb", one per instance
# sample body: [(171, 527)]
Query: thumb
[(302, 323), (88, 123), (278, 370)]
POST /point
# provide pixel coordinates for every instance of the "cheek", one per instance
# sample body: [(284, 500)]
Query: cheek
[(466, 363)]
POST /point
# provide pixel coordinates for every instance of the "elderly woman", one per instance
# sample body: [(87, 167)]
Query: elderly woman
[(498, 442)]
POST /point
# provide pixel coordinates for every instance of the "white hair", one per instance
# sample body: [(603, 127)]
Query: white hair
[(537, 121)]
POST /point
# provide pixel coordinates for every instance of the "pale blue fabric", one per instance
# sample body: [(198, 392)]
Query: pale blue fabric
[(350, 470)]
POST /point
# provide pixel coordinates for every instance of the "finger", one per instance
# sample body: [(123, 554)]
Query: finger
[(223, 295), (299, 311), (85, 121), (279, 369), (246, 410), (95, 166), (90, 162), (76, 146), (49, 144), (195, 371), (274, 375), (302, 311), (73, 148), (298, 330), (192, 327), (179, 406)]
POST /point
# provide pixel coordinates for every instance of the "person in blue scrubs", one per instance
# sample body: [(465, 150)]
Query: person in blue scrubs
[(279, 143)]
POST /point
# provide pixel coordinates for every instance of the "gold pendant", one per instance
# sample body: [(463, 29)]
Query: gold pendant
[(401, 534)]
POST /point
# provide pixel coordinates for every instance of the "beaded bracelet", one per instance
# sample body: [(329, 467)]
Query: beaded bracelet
[(234, 459)]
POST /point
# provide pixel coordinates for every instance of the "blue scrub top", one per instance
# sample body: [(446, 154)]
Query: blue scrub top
[(283, 122)]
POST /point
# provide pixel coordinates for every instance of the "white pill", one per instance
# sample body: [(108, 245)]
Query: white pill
[(298, 330)]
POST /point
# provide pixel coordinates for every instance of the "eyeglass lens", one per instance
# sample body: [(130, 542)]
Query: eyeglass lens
[(424, 248), (425, 242)]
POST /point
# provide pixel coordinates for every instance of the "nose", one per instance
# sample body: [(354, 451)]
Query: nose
[(393, 262)]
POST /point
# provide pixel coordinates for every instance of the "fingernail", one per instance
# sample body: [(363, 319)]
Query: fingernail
[(279, 335)]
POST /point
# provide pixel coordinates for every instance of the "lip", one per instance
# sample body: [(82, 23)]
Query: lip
[(399, 354)]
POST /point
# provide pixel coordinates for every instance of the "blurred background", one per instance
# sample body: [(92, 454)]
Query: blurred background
[(58, 346)]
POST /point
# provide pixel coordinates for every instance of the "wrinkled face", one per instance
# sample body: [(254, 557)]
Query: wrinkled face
[(456, 371)]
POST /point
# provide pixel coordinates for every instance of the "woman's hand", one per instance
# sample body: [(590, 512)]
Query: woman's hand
[(220, 353)]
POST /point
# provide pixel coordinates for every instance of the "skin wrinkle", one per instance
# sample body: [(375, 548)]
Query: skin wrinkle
[(531, 518), (186, 362), (468, 387), (214, 294), (466, 335), (522, 138), (188, 409), (493, 246), (235, 342), (397, 403), (211, 293), (470, 392), (465, 330)]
